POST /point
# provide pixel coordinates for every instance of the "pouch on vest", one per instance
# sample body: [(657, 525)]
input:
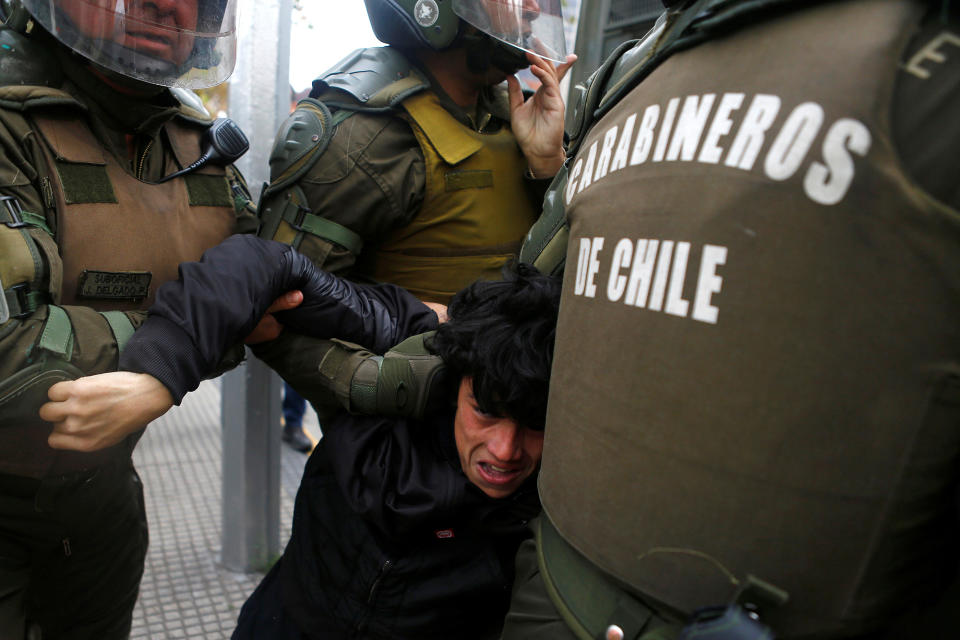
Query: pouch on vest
[(22, 394)]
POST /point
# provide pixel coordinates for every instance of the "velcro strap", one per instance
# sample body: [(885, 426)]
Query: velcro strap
[(14, 216), (121, 327), (35, 220), (57, 336), (301, 219)]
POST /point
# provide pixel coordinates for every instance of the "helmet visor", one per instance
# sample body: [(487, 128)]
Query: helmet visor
[(531, 25), (174, 43)]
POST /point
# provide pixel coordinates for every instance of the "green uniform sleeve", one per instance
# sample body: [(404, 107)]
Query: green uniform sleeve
[(370, 180), (40, 334)]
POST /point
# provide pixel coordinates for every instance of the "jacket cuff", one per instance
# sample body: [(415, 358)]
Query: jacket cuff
[(166, 352)]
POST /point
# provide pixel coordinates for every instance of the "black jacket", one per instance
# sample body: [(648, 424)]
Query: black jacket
[(390, 540), (218, 301)]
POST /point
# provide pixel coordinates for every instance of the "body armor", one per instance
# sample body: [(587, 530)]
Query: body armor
[(791, 248), (98, 238)]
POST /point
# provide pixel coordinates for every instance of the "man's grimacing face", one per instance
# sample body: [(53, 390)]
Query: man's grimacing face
[(497, 455)]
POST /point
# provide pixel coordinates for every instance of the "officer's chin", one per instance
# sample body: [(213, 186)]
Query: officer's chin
[(124, 84), (508, 60), (489, 57)]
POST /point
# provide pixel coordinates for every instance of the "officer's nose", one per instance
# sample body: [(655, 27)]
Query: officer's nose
[(165, 7)]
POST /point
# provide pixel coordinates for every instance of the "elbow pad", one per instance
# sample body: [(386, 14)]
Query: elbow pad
[(408, 381)]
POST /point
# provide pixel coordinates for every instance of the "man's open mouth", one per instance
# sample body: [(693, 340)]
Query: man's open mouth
[(498, 475)]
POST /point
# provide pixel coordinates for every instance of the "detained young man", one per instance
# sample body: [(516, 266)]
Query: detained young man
[(403, 528)]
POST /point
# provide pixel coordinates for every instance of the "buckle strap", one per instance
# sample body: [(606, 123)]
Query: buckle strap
[(121, 327), (588, 601), (21, 301), (13, 215), (302, 219)]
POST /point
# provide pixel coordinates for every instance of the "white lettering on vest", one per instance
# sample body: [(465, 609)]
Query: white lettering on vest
[(829, 181), (665, 128), (708, 283), (788, 149), (603, 162), (580, 284), (588, 264), (931, 51), (616, 283), (588, 168), (794, 141), (676, 305), (746, 146), (659, 289), (623, 148), (641, 274), (693, 118), (641, 148), (711, 151), (660, 274)]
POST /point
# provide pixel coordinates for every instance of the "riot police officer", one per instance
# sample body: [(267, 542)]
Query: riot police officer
[(753, 408), (412, 163), (92, 221)]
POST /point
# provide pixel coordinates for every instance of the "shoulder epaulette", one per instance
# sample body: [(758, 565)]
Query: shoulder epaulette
[(377, 79)]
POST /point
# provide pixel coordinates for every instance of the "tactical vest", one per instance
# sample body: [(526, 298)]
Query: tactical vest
[(473, 217), (475, 212), (119, 239), (772, 386)]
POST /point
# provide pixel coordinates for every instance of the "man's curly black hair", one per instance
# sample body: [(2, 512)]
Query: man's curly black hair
[(501, 333)]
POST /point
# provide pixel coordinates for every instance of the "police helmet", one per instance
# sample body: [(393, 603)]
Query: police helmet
[(529, 25), (173, 43)]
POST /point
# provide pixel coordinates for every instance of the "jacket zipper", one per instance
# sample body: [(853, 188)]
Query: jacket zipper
[(376, 583), (143, 159)]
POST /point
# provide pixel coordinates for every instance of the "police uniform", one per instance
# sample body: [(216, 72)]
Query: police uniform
[(763, 240), (87, 234), (380, 176)]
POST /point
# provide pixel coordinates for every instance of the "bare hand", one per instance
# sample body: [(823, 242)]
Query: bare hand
[(268, 328), (537, 122), (95, 412), (439, 309)]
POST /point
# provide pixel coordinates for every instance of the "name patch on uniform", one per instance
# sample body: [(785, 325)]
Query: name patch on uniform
[(114, 285)]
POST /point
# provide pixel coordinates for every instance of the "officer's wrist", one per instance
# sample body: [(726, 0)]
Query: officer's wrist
[(547, 168)]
